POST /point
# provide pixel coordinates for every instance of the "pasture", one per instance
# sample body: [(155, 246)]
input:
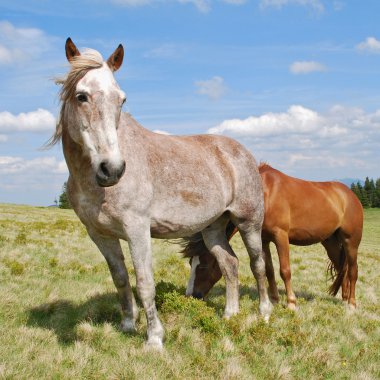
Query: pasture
[(59, 312)]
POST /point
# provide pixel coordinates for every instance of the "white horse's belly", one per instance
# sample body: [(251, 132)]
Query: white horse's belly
[(181, 221), (164, 229)]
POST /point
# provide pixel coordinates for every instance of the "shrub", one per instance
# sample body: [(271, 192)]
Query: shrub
[(15, 267), (201, 316)]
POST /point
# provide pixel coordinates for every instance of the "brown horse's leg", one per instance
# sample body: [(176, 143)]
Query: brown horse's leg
[(273, 291), (351, 250), (334, 248), (345, 287), (282, 245)]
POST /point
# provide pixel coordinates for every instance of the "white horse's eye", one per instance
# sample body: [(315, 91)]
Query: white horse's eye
[(82, 98)]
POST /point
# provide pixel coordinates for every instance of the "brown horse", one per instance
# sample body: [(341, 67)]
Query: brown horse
[(301, 213)]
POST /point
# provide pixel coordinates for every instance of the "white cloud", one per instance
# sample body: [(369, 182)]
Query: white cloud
[(235, 2), (214, 88), (303, 142), (35, 121), (132, 3), (297, 119), (371, 44), (164, 51), (317, 5), (302, 159), (10, 165), (7, 55), (306, 67), (19, 45), (161, 132), (23, 177), (203, 6), (338, 5)]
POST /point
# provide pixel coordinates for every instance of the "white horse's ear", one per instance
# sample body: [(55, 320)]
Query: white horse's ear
[(116, 59), (71, 50)]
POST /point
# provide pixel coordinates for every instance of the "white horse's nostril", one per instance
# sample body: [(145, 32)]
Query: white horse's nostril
[(104, 169)]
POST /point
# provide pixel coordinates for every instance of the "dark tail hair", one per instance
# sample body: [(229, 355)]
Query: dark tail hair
[(337, 274), (195, 246)]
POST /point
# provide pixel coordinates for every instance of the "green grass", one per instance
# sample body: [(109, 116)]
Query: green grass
[(59, 313)]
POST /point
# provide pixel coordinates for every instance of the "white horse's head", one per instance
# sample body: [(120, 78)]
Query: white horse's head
[(94, 102)]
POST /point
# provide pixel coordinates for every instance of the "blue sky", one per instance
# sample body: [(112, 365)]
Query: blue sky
[(296, 81)]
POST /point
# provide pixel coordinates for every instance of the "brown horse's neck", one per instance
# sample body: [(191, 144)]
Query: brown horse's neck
[(264, 167)]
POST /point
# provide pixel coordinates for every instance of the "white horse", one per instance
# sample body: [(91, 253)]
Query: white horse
[(129, 183)]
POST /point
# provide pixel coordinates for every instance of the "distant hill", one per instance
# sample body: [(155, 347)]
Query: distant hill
[(349, 181)]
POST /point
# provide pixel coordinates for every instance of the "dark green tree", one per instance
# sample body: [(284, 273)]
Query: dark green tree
[(355, 190), (63, 198), (369, 194), (360, 193), (376, 202), (363, 196), (378, 184), (369, 188)]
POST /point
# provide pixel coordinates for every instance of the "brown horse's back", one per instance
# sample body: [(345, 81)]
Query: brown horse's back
[(289, 202)]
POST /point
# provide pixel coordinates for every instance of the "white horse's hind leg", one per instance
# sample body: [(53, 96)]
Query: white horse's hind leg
[(140, 246), (216, 242), (252, 240), (111, 250)]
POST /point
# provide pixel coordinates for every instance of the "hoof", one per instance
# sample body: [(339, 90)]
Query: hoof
[(274, 296), (292, 306), (228, 314), (266, 310), (274, 300), (351, 307), (154, 343), (128, 326), (266, 318)]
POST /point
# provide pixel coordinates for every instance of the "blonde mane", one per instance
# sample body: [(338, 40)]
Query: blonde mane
[(80, 65)]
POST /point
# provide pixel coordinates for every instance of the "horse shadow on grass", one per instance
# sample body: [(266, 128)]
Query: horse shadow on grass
[(63, 316)]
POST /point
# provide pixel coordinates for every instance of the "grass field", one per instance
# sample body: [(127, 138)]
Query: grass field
[(59, 313)]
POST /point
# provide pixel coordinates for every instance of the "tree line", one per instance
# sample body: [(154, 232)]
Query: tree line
[(369, 193), (63, 198)]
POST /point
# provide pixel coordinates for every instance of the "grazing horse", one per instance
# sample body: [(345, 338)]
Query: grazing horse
[(300, 213), (129, 183)]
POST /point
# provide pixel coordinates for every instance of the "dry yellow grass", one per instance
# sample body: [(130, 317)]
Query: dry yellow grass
[(59, 313)]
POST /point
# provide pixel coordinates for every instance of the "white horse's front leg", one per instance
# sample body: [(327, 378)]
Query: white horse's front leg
[(111, 250), (140, 246)]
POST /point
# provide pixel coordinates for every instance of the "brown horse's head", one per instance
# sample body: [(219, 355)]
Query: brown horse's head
[(205, 273), (91, 109)]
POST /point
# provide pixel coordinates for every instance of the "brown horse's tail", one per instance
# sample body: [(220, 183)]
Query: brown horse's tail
[(195, 246), (337, 274)]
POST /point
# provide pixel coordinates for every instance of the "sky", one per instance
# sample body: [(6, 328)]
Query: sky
[(295, 81)]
